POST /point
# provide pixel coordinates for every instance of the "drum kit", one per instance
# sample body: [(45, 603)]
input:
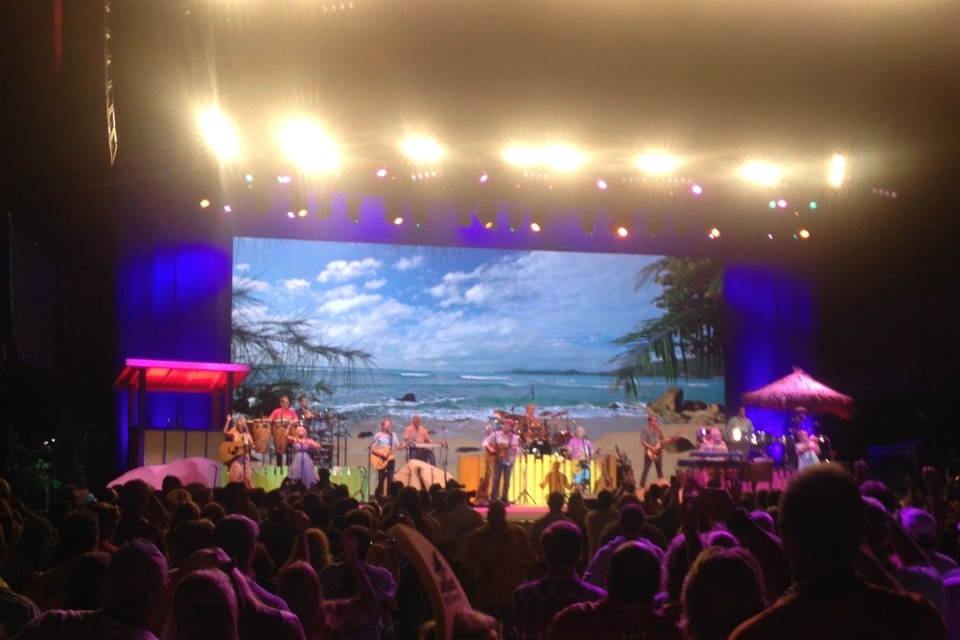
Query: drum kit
[(271, 437), (543, 435)]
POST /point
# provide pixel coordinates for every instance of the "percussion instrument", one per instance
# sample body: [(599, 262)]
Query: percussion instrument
[(261, 435), (280, 429)]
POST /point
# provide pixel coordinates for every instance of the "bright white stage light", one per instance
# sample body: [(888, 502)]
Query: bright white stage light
[(521, 156), (219, 134), (309, 147), (838, 170), (561, 157), (761, 173), (423, 150), (656, 163)]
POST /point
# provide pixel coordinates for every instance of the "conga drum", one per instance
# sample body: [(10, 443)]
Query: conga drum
[(280, 436), (261, 436)]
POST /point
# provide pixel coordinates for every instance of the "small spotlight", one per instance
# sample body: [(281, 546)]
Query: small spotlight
[(204, 203), (773, 204), (696, 190), (219, 134), (714, 233), (535, 227), (227, 208), (804, 234), (813, 205), (423, 150), (291, 214), (602, 185), (398, 220), (782, 203), (657, 164), (561, 157), (623, 232), (248, 177), (483, 178), (285, 178), (302, 213), (381, 173), (770, 236)]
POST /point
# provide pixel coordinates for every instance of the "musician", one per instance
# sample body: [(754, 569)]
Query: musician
[(503, 445), (714, 443), (285, 417), (238, 469), (301, 467), (381, 454), (651, 437), (305, 414), (808, 450), (415, 434), (580, 450), (739, 430)]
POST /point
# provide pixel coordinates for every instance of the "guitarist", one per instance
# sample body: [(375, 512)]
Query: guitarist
[(381, 455), (651, 437), (503, 446), (581, 452), (239, 443)]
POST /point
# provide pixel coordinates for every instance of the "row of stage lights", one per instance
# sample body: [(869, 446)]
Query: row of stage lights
[(313, 152)]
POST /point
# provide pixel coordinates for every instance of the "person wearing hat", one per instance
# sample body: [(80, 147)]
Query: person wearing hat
[(503, 446)]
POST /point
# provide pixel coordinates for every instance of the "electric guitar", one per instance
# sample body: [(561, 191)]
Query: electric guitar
[(230, 450), (381, 457), (656, 452)]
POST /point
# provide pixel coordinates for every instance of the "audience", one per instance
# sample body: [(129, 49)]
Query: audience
[(862, 560)]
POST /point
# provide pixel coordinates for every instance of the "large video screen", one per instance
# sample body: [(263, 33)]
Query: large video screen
[(454, 334)]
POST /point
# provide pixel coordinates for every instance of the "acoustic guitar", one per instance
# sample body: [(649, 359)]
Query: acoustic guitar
[(380, 458), (230, 450)]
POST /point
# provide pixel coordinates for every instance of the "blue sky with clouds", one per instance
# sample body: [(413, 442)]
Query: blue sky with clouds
[(451, 309)]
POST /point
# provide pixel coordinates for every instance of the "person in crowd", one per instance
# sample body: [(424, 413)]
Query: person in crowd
[(301, 465), (503, 446), (555, 502), (77, 534), (237, 535), (498, 559), (598, 518), (205, 607), (458, 523), (632, 521), (134, 581), (723, 588), (536, 602), (822, 526), (922, 528), (652, 439), (628, 610), (16, 611), (238, 435), (382, 448)]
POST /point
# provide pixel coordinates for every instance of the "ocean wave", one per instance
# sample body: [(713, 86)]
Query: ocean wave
[(467, 377), (406, 374)]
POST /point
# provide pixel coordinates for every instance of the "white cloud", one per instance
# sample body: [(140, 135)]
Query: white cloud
[(243, 266), (295, 284), (341, 270), (374, 284), (257, 286), (343, 305), (405, 263)]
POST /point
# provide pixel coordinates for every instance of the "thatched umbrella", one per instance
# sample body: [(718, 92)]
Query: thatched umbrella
[(800, 390)]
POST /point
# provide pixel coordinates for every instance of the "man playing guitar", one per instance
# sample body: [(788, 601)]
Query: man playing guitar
[(381, 455), (581, 452), (502, 446), (652, 439), (235, 451)]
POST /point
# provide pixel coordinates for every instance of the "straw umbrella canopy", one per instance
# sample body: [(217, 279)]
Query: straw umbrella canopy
[(800, 390)]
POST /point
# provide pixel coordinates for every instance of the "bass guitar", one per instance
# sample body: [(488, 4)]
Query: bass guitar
[(380, 458)]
